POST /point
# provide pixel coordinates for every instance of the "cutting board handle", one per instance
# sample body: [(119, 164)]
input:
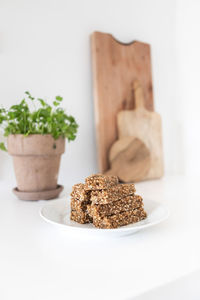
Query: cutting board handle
[(138, 95)]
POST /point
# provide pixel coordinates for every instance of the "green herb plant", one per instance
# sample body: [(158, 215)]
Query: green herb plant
[(41, 119)]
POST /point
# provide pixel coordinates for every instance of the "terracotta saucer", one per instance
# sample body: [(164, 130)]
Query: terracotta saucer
[(34, 196)]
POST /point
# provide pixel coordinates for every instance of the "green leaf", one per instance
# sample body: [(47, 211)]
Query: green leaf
[(58, 98), (2, 147), (29, 95), (22, 103), (15, 107), (43, 103), (56, 103), (12, 115)]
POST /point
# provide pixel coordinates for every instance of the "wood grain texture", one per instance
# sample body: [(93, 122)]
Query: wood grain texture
[(115, 68), (137, 154), (131, 160)]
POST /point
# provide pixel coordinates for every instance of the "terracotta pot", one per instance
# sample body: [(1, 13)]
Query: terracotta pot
[(36, 161)]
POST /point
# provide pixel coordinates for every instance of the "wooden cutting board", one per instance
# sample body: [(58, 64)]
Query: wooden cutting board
[(115, 68), (137, 154)]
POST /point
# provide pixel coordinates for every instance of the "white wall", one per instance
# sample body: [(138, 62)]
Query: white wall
[(44, 48), (188, 112)]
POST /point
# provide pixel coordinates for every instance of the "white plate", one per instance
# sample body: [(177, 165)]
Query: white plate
[(57, 212)]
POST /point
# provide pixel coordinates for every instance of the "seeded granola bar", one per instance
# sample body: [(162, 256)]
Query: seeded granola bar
[(125, 204), (121, 219), (80, 198), (112, 194), (80, 217), (79, 205), (79, 192), (100, 182)]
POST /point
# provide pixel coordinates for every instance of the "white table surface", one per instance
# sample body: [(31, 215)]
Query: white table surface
[(41, 261)]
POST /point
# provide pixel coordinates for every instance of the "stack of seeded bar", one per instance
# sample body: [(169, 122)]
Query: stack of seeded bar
[(113, 204), (106, 203)]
